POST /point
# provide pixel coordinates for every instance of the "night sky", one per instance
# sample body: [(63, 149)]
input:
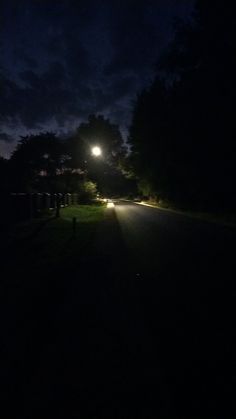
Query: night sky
[(62, 60)]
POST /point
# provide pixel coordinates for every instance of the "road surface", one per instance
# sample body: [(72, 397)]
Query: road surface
[(143, 327)]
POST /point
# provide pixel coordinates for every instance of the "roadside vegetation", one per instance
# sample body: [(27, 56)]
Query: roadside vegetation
[(182, 135), (181, 143)]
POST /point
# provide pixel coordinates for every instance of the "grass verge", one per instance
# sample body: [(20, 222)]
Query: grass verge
[(35, 247)]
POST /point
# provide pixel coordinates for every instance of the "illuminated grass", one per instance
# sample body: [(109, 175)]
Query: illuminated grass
[(83, 213)]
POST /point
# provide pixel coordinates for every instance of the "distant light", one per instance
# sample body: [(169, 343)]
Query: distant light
[(96, 151), (110, 205)]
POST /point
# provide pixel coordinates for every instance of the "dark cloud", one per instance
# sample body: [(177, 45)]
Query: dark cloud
[(9, 96), (139, 32), (6, 137), (25, 59), (63, 60), (45, 96)]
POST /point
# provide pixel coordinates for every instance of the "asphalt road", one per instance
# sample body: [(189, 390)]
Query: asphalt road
[(143, 327)]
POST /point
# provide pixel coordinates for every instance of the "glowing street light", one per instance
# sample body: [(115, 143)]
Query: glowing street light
[(96, 151)]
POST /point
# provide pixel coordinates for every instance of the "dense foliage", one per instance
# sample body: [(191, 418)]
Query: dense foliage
[(47, 163), (183, 129)]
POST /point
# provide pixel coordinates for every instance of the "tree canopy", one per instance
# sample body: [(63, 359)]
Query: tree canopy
[(99, 131), (182, 134), (37, 158), (105, 170), (46, 163)]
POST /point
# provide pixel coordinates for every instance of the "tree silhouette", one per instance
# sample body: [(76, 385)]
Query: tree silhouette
[(106, 169), (46, 163), (183, 131), (100, 131), (36, 162), (4, 174)]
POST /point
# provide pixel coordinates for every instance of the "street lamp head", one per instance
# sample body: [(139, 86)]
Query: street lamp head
[(96, 151)]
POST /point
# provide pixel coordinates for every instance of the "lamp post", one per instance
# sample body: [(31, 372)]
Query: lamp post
[(96, 151)]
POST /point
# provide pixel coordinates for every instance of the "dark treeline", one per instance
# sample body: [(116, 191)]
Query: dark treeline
[(47, 163), (182, 135), (183, 128)]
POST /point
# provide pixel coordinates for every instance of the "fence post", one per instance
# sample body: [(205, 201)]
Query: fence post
[(58, 205), (74, 226)]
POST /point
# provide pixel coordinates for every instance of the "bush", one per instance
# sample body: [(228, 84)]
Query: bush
[(87, 191)]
